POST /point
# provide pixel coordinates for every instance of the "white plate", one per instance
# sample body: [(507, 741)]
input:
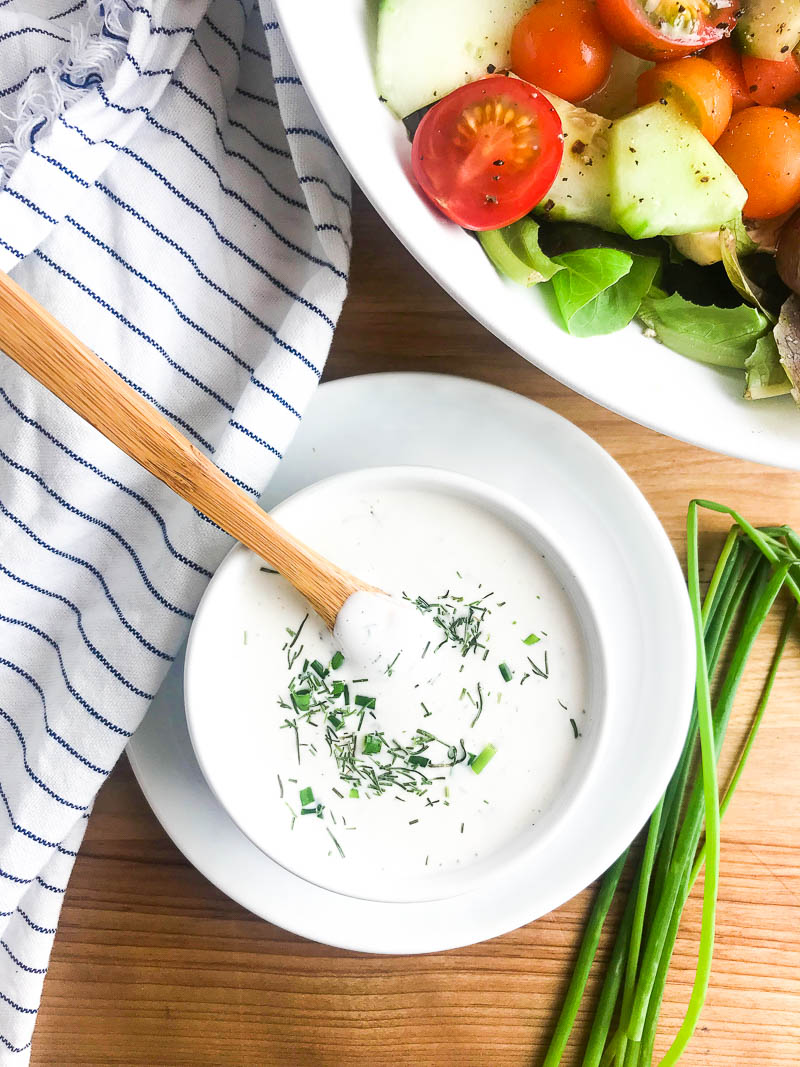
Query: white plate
[(600, 515), (626, 372)]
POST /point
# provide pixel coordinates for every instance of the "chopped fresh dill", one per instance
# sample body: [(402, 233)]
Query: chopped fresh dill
[(540, 672), (338, 846)]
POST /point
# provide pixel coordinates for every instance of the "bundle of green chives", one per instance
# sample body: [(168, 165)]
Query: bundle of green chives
[(755, 565)]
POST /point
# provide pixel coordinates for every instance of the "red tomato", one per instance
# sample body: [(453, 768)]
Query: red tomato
[(762, 146), (699, 89), (771, 83), (488, 152), (561, 46), (672, 29), (726, 59)]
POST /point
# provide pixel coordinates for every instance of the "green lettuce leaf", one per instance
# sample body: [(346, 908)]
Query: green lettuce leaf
[(601, 289), (724, 337), (515, 252), (763, 371)]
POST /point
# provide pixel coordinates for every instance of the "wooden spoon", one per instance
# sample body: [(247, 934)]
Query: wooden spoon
[(55, 357)]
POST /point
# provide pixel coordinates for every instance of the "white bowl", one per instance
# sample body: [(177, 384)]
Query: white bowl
[(229, 721), (331, 44)]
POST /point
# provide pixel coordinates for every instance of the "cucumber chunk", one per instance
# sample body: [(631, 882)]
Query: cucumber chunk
[(665, 176), (769, 29), (582, 189), (427, 48)]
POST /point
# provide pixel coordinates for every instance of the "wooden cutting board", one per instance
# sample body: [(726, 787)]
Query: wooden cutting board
[(152, 965)]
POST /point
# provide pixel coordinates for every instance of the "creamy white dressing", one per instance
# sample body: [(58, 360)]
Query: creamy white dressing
[(458, 671)]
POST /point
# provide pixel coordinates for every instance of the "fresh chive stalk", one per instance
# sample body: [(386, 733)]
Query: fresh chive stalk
[(586, 953), (754, 566)]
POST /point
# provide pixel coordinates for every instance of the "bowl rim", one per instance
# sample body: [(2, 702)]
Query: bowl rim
[(505, 861)]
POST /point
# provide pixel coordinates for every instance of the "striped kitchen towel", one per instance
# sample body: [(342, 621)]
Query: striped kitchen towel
[(167, 192)]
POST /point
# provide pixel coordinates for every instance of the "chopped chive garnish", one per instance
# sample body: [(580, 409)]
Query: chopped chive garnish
[(575, 729), (540, 672), (412, 822), (280, 786), (418, 761), (427, 713), (306, 796), (483, 758), (245, 637), (337, 688), (336, 661), (299, 631), (531, 639), (365, 702), (335, 721), (354, 793), (372, 744), (338, 794), (302, 700), (505, 670), (391, 665), (267, 570), (339, 847), (317, 666)]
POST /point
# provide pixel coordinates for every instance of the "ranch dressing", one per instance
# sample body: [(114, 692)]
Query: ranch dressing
[(369, 739)]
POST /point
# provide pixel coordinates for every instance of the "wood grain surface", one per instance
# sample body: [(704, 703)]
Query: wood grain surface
[(152, 965)]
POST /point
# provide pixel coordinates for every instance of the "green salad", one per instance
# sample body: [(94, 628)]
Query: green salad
[(682, 213)]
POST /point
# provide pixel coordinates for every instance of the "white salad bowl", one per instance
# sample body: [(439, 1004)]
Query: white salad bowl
[(332, 46), (230, 726)]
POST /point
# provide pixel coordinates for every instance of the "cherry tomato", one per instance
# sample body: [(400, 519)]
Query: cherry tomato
[(725, 58), (561, 46), (699, 89), (673, 28), (771, 83), (762, 146), (488, 152)]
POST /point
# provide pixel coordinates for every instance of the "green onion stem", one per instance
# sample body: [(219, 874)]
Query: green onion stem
[(657, 995), (609, 994), (645, 871), (766, 692), (711, 804), (758, 539), (721, 570), (760, 602), (739, 589), (719, 609), (586, 954), (653, 1008)]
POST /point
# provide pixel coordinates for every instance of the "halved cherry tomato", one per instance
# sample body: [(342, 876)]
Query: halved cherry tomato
[(561, 46), (699, 89), (488, 152), (672, 28), (725, 58), (771, 83), (762, 146)]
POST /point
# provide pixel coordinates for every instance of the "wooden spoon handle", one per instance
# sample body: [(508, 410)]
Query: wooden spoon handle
[(54, 356)]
